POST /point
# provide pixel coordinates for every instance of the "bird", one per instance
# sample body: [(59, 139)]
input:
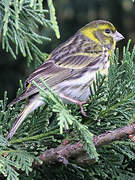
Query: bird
[(71, 68)]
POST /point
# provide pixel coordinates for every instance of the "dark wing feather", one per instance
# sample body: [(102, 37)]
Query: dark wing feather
[(49, 72), (73, 53)]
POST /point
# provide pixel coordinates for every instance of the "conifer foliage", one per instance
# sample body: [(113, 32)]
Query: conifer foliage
[(111, 106)]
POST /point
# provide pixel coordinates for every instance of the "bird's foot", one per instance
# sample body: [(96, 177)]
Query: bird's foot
[(81, 107), (79, 103)]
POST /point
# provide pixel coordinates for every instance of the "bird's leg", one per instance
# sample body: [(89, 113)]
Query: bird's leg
[(80, 103), (81, 107)]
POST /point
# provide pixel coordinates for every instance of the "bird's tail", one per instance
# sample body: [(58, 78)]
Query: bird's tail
[(31, 106)]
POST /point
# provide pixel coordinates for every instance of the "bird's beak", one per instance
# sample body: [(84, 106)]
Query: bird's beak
[(118, 36)]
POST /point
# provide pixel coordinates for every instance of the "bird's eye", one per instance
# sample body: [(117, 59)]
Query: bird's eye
[(107, 31)]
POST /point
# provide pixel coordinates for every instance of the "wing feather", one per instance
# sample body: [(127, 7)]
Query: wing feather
[(64, 62)]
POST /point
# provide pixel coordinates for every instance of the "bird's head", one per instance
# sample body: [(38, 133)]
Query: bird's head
[(102, 32)]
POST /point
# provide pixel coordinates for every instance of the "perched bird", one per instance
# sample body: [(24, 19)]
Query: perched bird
[(71, 68)]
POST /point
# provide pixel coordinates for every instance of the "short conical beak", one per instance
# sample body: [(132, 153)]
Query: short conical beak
[(117, 36)]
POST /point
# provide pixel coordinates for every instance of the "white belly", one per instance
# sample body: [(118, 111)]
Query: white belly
[(77, 89)]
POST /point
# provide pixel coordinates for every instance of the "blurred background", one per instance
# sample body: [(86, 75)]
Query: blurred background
[(71, 15)]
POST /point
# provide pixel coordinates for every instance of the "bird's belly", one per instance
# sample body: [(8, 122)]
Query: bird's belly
[(77, 87)]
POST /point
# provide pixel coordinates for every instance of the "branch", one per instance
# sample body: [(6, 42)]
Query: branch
[(75, 152)]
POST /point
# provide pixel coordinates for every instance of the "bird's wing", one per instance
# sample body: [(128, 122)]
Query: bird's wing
[(61, 65), (76, 53)]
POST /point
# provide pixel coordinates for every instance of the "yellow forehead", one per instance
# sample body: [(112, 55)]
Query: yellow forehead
[(105, 26), (99, 24)]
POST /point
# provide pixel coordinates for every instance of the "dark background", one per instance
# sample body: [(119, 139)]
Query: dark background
[(71, 15)]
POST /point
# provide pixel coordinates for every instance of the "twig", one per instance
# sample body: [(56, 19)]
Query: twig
[(70, 152)]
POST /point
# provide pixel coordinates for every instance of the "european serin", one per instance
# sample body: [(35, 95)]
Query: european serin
[(71, 67)]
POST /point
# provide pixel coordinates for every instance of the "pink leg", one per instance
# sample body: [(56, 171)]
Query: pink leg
[(80, 103)]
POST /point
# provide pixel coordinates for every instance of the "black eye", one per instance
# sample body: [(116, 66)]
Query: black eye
[(107, 31)]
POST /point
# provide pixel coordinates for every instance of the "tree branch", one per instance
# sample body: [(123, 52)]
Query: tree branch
[(75, 152)]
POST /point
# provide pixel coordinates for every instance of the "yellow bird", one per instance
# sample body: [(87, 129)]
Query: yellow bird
[(71, 68)]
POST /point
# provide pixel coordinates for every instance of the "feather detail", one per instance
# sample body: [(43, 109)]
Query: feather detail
[(19, 98), (33, 104)]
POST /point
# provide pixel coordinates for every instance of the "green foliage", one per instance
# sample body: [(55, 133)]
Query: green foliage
[(20, 26), (111, 105), (53, 18), (17, 159)]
